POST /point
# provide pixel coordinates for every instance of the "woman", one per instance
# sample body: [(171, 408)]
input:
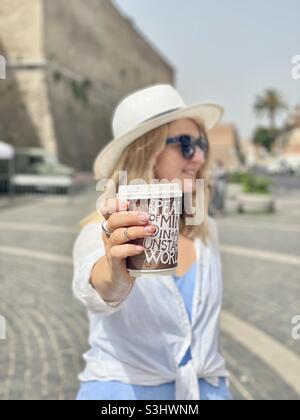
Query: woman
[(152, 338)]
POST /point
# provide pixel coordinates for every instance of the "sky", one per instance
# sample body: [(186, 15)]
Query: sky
[(225, 51)]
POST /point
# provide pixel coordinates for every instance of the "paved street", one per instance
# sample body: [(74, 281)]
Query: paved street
[(47, 328)]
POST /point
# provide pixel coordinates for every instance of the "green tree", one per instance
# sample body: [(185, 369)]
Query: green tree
[(264, 137), (270, 103)]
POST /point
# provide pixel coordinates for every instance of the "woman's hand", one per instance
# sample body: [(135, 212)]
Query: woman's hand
[(110, 275)]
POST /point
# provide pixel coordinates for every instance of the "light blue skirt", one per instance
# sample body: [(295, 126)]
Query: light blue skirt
[(112, 390)]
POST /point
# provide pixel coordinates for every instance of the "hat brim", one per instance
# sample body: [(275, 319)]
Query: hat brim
[(207, 115)]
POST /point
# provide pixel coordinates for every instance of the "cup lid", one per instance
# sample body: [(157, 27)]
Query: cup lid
[(150, 190)]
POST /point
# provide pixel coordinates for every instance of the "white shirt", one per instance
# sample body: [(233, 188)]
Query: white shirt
[(143, 340)]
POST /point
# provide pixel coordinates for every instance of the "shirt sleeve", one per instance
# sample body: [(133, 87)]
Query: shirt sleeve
[(214, 235), (88, 249), (215, 243)]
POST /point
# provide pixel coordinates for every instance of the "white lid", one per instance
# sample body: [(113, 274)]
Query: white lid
[(144, 191)]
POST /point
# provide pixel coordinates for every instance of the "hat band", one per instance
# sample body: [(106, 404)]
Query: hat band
[(161, 114)]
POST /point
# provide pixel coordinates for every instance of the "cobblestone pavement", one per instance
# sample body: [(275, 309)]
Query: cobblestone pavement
[(263, 292), (47, 328)]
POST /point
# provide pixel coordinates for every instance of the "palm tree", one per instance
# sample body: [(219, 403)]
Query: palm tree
[(270, 103)]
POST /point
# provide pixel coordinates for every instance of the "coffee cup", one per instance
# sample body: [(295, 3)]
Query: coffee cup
[(163, 203)]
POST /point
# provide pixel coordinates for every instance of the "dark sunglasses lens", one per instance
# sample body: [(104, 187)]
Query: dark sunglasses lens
[(188, 147), (188, 153), (203, 144)]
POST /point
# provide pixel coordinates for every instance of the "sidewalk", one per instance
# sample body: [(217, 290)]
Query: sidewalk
[(47, 328)]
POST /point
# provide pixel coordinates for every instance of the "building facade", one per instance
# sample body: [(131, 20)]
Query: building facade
[(68, 65), (226, 147), (288, 141)]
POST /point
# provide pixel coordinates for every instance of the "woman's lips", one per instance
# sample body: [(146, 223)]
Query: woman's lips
[(190, 173)]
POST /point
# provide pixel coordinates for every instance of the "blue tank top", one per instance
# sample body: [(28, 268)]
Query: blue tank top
[(186, 287)]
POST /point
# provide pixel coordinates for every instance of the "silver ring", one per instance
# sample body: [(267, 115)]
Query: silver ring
[(105, 229), (127, 235)]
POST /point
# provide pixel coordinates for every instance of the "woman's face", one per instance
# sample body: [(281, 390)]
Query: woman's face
[(171, 164)]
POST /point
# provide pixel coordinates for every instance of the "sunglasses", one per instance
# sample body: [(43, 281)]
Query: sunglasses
[(188, 145)]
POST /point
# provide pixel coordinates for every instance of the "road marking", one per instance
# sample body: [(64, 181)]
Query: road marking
[(30, 227), (251, 224), (240, 388), (228, 249), (278, 357), (274, 354), (275, 257), (36, 255), (232, 250), (234, 380)]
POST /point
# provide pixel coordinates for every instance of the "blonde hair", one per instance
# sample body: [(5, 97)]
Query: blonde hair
[(139, 159)]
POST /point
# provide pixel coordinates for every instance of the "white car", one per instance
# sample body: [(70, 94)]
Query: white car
[(282, 166)]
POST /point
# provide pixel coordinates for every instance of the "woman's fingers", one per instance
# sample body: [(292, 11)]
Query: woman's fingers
[(126, 219), (118, 236), (120, 252), (113, 205), (119, 220)]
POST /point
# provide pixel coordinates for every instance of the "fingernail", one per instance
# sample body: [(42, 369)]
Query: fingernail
[(143, 217), (140, 248), (150, 229)]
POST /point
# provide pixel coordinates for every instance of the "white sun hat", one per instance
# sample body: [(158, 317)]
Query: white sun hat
[(143, 111)]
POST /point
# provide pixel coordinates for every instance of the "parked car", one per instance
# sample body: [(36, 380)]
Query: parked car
[(281, 166), (36, 161), (37, 170), (6, 164)]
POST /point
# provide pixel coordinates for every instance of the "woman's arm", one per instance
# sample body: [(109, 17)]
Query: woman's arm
[(113, 292), (88, 251)]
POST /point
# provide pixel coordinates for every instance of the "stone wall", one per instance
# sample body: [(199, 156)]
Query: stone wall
[(86, 56), (24, 108), (21, 28), (90, 41)]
